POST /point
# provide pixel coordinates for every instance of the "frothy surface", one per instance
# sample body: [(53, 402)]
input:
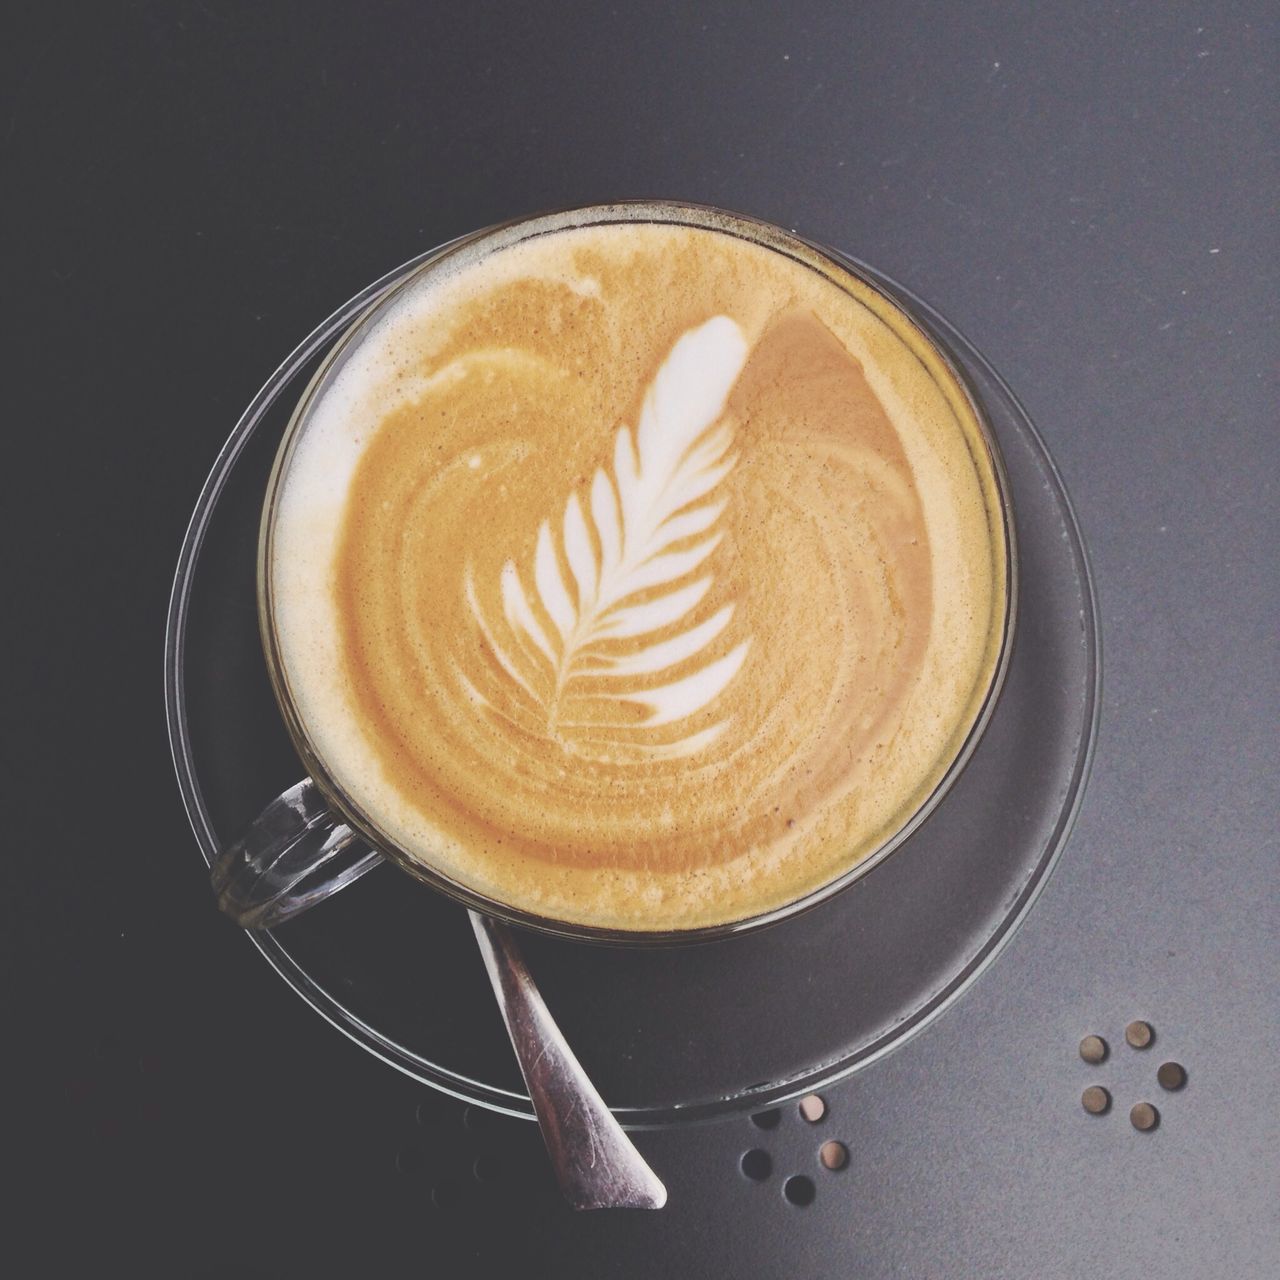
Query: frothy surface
[(638, 575)]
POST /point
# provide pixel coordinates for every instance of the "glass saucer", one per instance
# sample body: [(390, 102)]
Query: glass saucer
[(675, 1035)]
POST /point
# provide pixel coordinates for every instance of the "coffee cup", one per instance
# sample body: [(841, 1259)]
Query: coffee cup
[(639, 573)]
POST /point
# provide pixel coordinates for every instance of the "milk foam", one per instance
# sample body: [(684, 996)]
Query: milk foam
[(699, 580), (652, 516)]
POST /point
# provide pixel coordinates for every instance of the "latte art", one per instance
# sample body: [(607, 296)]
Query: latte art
[(637, 575), (646, 528)]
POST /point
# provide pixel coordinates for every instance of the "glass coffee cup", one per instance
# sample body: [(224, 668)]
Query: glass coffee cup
[(319, 836)]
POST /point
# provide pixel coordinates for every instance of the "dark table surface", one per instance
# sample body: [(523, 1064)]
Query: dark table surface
[(1089, 191)]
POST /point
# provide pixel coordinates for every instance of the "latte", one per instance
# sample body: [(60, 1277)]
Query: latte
[(635, 573)]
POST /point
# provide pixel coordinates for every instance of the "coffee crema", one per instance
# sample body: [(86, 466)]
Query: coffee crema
[(638, 575)]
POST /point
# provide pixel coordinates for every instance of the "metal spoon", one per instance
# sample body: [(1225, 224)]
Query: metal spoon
[(595, 1163)]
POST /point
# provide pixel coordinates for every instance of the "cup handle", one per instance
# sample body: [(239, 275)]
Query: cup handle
[(290, 858)]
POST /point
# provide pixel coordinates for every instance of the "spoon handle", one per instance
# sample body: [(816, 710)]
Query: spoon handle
[(594, 1161)]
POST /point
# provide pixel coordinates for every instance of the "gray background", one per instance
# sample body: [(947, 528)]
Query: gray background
[(1088, 191)]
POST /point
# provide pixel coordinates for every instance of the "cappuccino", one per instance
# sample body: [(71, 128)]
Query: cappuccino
[(637, 573)]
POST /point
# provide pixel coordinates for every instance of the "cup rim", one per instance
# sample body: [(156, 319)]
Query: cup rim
[(679, 212)]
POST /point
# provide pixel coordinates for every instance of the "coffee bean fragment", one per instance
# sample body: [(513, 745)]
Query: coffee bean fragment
[(1140, 1034), (834, 1155), (1093, 1049), (1144, 1117), (1096, 1100), (813, 1108)]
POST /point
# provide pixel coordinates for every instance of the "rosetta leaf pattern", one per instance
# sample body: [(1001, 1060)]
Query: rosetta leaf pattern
[(628, 560)]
